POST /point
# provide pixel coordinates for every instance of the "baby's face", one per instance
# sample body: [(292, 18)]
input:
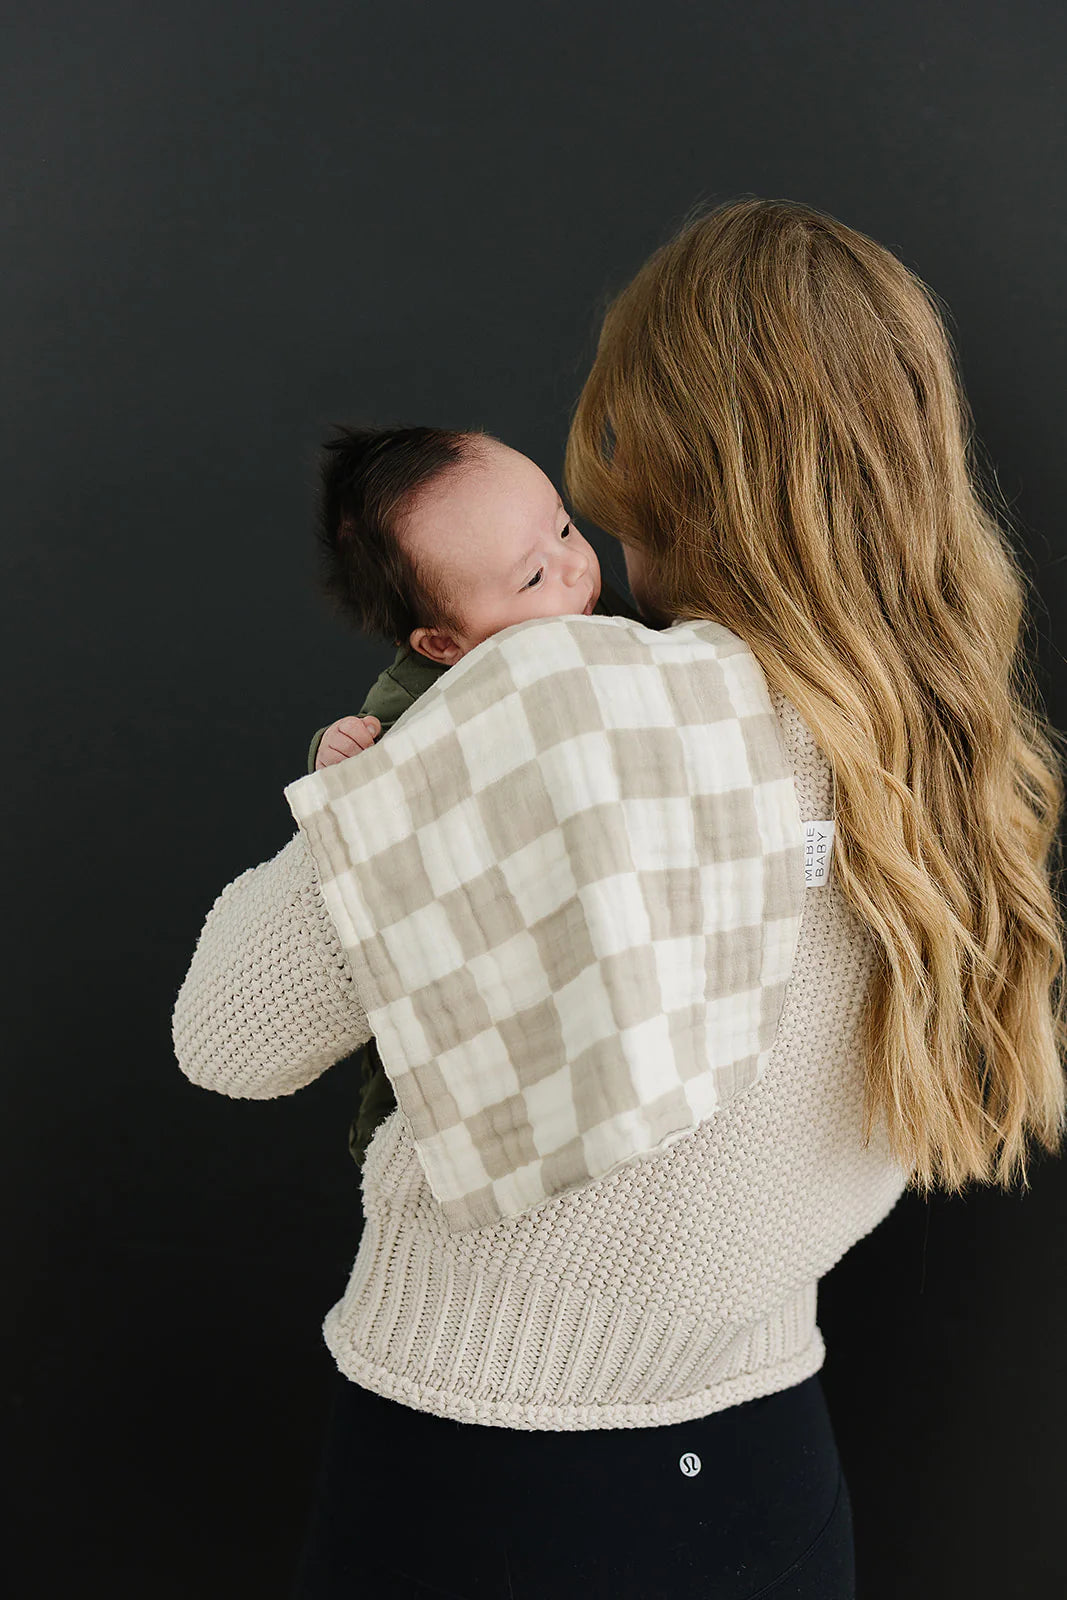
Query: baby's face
[(497, 530)]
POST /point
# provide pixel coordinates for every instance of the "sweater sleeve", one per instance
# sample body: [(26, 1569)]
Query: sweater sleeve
[(269, 1000)]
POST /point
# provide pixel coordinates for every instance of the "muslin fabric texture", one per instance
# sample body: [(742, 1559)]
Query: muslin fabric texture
[(569, 885), (663, 1290)]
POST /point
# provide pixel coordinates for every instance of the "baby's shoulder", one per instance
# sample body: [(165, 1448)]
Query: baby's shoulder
[(399, 685)]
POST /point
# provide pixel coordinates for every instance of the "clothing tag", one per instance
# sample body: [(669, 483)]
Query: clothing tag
[(818, 843)]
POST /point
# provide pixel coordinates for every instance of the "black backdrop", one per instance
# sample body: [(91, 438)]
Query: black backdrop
[(227, 226)]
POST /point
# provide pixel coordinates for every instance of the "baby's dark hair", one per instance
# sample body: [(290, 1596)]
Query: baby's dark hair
[(368, 477)]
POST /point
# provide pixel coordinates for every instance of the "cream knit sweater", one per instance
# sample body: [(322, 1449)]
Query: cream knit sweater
[(665, 1291)]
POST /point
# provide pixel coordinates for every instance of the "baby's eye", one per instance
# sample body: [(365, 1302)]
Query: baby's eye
[(535, 580)]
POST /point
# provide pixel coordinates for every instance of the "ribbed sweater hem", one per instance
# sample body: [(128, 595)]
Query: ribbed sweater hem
[(540, 1353), (634, 1414)]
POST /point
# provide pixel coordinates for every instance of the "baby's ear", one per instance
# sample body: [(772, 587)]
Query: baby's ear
[(440, 648)]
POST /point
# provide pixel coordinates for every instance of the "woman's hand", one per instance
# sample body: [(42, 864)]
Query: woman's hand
[(346, 738)]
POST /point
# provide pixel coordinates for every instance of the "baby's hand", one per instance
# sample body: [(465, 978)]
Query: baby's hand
[(346, 738)]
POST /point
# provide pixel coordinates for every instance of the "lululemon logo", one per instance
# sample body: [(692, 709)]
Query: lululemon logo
[(689, 1463)]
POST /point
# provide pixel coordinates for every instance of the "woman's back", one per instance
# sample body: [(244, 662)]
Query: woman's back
[(670, 1288)]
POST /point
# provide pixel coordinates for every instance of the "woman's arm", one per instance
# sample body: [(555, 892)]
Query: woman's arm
[(269, 1001)]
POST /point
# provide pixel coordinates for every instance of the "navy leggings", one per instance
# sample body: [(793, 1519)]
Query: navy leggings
[(746, 1502)]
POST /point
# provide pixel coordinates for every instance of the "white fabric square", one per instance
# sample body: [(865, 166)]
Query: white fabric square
[(469, 1066), (731, 1025), (631, 696), (550, 1103), (426, 937), (680, 965), (435, 722), (373, 815), (732, 890), (554, 649), (410, 1046), (511, 977), (781, 795), (452, 1156), (616, 914), (778, 949), (496, 741), (584, 1007), (661, 832), (579, 773), (747, 692), (702, 1093), (715, 757), (540, 877), (650, 1057), (452, 846)]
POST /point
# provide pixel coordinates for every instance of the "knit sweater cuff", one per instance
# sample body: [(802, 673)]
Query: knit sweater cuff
[(268, 1002)]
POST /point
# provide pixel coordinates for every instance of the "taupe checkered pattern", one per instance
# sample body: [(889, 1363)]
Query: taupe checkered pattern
[(570, 882)]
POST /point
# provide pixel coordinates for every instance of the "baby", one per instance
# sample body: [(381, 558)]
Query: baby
[(440, 540), (436, 541)]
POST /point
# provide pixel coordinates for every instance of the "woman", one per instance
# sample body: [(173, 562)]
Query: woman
[(608, 1384)]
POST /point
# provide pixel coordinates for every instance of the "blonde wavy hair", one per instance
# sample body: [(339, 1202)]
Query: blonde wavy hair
[(775, 421)]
